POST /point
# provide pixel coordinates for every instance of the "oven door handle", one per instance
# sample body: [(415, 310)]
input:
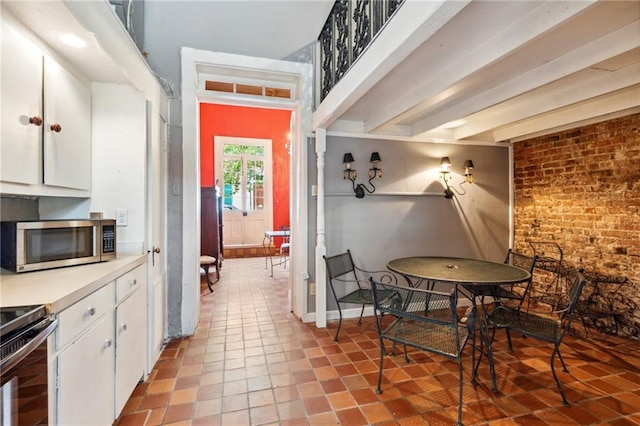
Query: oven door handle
[(12, 360)]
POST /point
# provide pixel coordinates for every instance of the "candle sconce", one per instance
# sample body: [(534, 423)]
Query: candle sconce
[(446, 176), (351, 174)]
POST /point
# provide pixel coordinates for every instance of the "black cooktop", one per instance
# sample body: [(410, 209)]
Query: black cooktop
[(19, 317)]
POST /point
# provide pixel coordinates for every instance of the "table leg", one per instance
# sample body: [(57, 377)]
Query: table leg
[(485, 346), (265, 248)]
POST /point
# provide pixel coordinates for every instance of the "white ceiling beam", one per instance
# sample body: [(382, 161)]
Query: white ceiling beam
[(525, 30), (575, 124), (608, 46), (603, 106), (570, 90), (413, 23)]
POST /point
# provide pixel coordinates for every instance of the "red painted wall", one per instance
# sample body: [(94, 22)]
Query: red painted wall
[(245, 122)]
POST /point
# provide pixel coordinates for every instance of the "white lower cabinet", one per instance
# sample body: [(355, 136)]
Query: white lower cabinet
[(131, 345), (86, 379), (102, 352)]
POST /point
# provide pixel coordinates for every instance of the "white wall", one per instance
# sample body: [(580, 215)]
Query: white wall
[(119, 156), (408, 214)]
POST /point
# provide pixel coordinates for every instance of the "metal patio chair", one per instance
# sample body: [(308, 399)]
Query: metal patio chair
[(423, 319), (345, 276), (549, 329)]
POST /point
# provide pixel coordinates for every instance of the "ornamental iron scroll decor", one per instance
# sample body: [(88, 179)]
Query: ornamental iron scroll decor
[(351, 26)]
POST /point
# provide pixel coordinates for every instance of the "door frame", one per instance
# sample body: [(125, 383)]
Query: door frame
[(194, 63), (220, 141)]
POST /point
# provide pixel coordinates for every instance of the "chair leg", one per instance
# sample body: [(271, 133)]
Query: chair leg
[(361, 313), (206, 273), (379, 390), (459, 423), (509, 340), (553, 371), (335, 339), (564, 366)]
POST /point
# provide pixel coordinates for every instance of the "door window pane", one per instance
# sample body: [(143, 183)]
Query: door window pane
[(255, 184), (232, 180)]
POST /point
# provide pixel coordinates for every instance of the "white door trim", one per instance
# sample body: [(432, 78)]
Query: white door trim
[(198, 61)]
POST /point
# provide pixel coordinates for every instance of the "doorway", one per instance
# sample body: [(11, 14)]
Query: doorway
[(244, 166), (197, 66)]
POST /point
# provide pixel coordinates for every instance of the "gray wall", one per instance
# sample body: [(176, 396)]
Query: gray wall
[(408, 214)]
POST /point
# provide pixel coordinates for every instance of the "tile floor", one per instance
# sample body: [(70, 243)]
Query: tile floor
[(252, 363)]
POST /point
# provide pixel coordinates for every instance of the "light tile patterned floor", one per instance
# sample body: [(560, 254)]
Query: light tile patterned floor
[(251, 362)]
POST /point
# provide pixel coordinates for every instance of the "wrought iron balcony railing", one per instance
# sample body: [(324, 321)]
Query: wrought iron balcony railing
[(350, 28)]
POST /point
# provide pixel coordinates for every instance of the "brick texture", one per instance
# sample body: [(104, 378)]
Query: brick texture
[(580, 189)]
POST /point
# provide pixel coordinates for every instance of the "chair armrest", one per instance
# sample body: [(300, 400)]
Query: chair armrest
[(385, 277)]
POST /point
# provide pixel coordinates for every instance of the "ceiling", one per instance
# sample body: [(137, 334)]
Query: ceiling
[(487, 71), (441, 70)]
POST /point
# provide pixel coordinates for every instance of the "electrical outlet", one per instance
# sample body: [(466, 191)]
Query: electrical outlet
[(122, 217), (312, 289)]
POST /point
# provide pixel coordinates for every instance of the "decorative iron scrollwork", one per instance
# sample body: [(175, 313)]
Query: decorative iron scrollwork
[(351, 26), (361, 34)]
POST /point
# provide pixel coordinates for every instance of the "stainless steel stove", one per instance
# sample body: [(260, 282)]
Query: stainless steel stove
[(24, 332)]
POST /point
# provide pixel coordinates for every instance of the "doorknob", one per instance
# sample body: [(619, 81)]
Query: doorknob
[(155, 251)]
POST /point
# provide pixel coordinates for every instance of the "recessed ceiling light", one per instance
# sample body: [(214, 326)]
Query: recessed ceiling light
[(72, 40)]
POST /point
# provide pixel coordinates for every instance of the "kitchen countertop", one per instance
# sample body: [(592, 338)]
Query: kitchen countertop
[(60, 288)]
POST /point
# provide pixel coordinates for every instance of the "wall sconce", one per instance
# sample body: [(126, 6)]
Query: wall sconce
[(351, 174), (468, 166), (445, 175)]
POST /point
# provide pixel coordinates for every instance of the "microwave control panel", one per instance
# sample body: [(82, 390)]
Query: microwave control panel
[(108, 238)]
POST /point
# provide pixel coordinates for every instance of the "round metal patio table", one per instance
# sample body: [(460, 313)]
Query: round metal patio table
[(478, 277)]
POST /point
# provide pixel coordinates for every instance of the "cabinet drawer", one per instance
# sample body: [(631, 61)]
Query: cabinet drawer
[(130, 282), (73, 320)]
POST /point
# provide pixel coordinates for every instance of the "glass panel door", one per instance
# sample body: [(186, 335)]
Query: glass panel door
[(246, 202)]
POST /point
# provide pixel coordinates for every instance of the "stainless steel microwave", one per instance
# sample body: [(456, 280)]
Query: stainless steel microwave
[(37, 245)]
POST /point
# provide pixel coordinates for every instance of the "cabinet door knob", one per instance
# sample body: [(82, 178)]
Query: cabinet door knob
[(134, 282), (156, 249), (107, 343), (123, 327), (35, 120), (91, 311), (56, 128)]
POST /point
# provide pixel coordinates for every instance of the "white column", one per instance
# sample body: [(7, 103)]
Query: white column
[(321, 249)]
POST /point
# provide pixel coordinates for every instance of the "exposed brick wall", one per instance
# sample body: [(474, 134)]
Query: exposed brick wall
[(581, 189)]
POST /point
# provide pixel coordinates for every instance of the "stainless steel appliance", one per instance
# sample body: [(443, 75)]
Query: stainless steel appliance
[(37, 245), (24, 396)]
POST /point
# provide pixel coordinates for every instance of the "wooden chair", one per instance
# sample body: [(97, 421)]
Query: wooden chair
[(205, 263), (344, 276), (551, 330), (424, 319)]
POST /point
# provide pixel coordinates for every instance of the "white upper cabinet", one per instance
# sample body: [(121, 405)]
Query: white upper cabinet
[(67, 129), (45, 145), (21, 102)]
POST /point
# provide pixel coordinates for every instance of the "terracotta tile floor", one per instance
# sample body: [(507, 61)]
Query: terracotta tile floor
[(252, 363)]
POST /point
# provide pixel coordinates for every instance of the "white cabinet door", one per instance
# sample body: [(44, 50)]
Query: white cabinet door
[(131, 345), (67, 129), (20, 140), (86, 379)]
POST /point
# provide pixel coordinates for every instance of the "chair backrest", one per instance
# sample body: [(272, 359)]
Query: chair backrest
[(575, 290), (521, 261), (340, 264), (434, 310), (415, 303)]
